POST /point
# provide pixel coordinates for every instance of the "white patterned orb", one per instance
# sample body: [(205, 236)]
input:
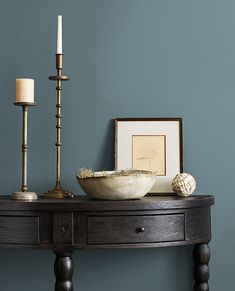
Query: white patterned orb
[(184, 184)]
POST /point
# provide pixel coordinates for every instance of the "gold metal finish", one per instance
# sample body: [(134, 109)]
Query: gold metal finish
[(24, 195), (57, 192), (24, 149)]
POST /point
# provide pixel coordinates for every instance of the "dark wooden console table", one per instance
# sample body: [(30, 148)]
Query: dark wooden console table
[(80, 223)]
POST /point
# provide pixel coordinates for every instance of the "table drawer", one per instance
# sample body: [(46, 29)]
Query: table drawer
[(19, 230), (134, 229)]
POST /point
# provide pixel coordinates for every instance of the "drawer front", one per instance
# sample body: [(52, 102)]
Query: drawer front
[(19, 230), (134, 229)]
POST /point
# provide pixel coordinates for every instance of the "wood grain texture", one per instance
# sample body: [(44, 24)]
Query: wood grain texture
[(19, 230), (63, 228), (135, 229), (67, 223), (81, 223), (83, 203), (198, 223)]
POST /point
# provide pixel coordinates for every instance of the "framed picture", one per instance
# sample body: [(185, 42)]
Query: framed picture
[(153, 144)]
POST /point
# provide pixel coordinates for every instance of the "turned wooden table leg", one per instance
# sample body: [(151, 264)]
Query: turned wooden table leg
[(201, 255), (63, 269)]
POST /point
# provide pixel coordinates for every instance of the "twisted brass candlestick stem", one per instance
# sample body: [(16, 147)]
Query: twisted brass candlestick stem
[(24, 194), (57, 192)]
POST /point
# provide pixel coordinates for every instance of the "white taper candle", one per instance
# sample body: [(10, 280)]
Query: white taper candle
[(59, 35)]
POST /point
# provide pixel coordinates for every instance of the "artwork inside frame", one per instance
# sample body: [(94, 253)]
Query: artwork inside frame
[(149, 153), (153, 144)]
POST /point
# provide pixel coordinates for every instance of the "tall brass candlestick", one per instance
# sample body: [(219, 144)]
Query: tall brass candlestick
[(57, 192), (24, 194)]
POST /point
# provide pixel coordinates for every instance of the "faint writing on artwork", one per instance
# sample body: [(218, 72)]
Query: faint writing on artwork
[(149, 153)]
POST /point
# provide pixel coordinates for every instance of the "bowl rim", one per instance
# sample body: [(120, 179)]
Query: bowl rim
[(116, 174)]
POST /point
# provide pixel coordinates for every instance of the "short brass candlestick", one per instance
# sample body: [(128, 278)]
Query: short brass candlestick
[(57, 192), (24, 194)]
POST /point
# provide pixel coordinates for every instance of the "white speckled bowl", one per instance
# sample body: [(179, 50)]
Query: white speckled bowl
[(108, 186)]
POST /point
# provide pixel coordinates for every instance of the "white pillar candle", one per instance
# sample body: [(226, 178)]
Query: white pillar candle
[(24, 90), (59, 35)]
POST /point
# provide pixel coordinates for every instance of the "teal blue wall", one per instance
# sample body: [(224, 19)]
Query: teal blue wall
[(126, 58)]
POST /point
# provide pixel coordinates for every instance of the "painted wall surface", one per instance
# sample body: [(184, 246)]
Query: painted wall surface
[(126, 58)]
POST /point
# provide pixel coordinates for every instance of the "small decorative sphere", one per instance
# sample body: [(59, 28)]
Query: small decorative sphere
[(183, 184)]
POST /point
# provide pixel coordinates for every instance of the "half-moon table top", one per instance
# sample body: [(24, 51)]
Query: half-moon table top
[(84, 203)]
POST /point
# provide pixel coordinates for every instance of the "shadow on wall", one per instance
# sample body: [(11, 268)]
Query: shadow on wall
[(105, 158)]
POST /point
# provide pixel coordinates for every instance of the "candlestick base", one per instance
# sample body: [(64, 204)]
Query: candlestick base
[(26, 196), (58, 193)]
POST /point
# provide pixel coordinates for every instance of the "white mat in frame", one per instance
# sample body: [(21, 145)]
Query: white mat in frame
[(140, 142)]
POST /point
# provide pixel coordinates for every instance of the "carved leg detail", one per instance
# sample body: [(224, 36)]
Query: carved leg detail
[(201, 255), (63, 269)]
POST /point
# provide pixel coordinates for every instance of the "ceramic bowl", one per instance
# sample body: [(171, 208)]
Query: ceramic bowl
[(110, 185)]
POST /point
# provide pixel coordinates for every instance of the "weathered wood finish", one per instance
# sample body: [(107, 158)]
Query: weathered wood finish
[(19, 230), (63, 269), (82, 203), (81, 223), (134, 229), (201, 255), (62, 228)]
